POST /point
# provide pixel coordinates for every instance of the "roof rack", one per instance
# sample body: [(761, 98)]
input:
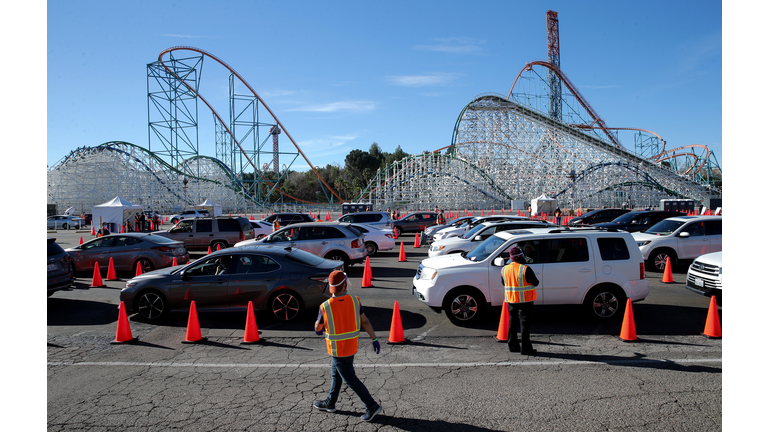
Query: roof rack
[(583, 228)]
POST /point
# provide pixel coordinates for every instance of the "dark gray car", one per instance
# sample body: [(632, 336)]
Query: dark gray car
[(61, 275), (283, 280), (128, 250)]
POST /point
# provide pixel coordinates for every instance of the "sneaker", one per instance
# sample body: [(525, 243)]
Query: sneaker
[(369, 415), (323, 406)]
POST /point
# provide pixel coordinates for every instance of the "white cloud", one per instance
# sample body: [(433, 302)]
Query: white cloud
[(430, 79), (349, 106), (454, 45)]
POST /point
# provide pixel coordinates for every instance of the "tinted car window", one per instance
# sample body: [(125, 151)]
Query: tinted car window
[(54, 249), (696, 229), (358, 231), (568, 250), (714, 227), (613, 249), (304, 257), (228, 225), (205, 225), (255, 264)]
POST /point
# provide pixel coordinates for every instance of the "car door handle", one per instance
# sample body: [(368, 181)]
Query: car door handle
[(585, 270)]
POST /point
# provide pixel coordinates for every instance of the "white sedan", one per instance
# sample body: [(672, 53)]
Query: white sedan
[(376, 239), (65, 222), (261, 228)]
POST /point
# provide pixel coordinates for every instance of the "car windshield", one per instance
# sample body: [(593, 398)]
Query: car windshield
[(469, 234), (665, 227), (484, 249), (161, 239), (625, 218), (304, 257)]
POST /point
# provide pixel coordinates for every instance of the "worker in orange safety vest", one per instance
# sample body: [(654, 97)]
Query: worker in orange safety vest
[(520, 284), (342, 317)]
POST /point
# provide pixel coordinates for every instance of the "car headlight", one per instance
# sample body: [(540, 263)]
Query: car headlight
[(130, 284), (643, 243), (428, 273), (435, 248)]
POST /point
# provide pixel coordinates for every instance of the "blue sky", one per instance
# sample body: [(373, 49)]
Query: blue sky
[(341, 75)]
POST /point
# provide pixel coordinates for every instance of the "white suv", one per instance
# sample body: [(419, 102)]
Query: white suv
[(596, 268), (682, 237), (705, 276)]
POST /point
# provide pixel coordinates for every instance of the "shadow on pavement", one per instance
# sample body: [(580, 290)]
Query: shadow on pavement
[(638, 360), (64, 312)]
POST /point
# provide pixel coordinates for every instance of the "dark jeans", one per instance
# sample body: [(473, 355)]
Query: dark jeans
[(342, 368), (520, 314)]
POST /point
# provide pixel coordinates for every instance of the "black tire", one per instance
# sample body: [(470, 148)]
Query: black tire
[(216, 243), (464, 306), (338, 256), (371, 248), (146, 265), (151, 305), (605, 302), (65, 226), (285, 305), (658, 259)]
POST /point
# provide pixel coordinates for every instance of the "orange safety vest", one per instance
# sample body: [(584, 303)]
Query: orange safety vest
[(516, 288), (342, 325)]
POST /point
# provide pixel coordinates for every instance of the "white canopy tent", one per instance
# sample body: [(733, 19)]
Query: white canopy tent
[(543, 204), (213, 208), (115, 212)]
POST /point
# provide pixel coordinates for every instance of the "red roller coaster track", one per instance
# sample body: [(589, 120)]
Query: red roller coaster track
[(242, 80)]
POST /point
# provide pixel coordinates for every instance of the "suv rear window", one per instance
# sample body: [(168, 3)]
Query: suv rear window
[(613, 249), (228, 225), (54, 248)]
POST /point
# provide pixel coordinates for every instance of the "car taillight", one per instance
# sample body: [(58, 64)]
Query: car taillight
[(242, 235), (67, 258), (322, 279), (164, 248), (642, 270), (389, 235), (355, 244)]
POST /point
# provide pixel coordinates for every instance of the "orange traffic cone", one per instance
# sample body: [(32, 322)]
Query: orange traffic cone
[(401, 258), (417, 243), (218, 247), (111, 270), (123, 328), (139, 271), (396, 328), (251, 331), (97, 282), (209, 250), (81, 239), (712, 328), (628, 326), (193, 326), (502, 335), (667, 272), (395, 232), (175, 263), (93, 230), (367, 274)]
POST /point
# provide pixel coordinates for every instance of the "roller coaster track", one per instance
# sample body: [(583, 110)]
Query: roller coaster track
[(223, 124)]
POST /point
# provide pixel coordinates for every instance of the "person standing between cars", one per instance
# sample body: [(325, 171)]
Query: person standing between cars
[(520, 284), (342, 317), (557, 215)]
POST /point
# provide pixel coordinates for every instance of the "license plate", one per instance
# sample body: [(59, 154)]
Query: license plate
[(698, 282), (52, 267)]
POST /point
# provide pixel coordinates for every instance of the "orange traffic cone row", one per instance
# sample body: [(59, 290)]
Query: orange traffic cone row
[(712, 328), (111, 270), (417, 242), (502, 335), (367, 274), (139, 271), (396, 336), (251, 331), (193, 326), (401, 258), (123, 328), (97, 282), (628, 326), (667, 278)]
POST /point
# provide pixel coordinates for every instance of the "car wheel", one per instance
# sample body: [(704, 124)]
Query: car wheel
[(605, 302), (146, 265), (151, 305), (371, 248), (65, 226), (658, 259), (464, 306), (215, 245), (174, 220), (337, 256), (285, 305)]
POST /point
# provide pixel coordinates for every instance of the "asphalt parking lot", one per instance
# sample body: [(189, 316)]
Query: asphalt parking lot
[(670, 356)]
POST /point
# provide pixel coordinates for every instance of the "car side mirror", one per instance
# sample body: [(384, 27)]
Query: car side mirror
[(498, 262), (684, 234), (478, 238), (183, 275)]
